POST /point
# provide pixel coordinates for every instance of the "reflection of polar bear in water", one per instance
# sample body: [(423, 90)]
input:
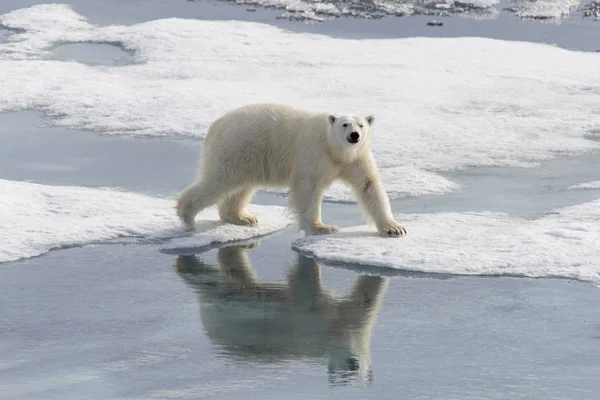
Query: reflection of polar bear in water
[(274, 145), (271, 322)]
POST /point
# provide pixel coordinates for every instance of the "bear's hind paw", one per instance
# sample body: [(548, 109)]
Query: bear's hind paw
[(242, 219), (322, 229)]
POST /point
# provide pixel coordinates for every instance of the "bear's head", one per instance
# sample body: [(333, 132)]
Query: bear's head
[(349, 133)]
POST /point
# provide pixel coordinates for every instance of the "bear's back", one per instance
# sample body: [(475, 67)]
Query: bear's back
[(261, 121), (263, 139)]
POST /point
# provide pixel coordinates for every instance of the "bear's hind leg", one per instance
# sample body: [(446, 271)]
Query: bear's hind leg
[(232, 208), (198, 196)]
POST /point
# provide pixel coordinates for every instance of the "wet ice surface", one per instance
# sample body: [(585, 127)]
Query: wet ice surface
[(139, 321), (31, 150), (523, 192), (92, 54)]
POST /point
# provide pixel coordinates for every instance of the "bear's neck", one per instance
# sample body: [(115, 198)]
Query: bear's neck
[(347, 156)]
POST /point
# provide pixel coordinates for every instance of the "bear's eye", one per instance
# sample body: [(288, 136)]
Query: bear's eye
[(345, 125), (360, 125)]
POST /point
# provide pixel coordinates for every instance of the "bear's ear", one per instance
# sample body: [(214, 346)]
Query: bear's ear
[(331, 118), (370, 119)]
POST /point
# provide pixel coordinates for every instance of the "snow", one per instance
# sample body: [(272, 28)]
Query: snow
[(35, 219), (585, 185), (563, 243), (440, 103)]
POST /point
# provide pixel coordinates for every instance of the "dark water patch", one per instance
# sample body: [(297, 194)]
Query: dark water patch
[(111, 54), (32, 151), (524, 192)]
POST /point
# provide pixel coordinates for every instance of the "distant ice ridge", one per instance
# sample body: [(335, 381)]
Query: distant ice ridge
[(585, 185), (35, 219), (318, 10), (440, 104), (543, 9), (564, 244), (591, 9)]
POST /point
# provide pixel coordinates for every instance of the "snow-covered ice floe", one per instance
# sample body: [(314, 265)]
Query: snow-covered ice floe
[(35, 219), (585, 185), (564, 243), (440, 103)]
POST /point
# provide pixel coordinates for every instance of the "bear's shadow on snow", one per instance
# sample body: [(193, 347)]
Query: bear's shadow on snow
[(201, 227), (270, 322)]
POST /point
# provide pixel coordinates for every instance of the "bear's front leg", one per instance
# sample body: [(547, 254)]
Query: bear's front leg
[(364, 179), (306, 198)]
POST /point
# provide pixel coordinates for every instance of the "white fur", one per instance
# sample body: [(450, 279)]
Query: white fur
[(270, 322), (274, 145)]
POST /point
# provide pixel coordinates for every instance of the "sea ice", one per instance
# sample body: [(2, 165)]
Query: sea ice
[(35, 219), (585, 185), (564, 243)]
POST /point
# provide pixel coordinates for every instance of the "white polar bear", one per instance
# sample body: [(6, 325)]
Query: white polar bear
[(275, 145)]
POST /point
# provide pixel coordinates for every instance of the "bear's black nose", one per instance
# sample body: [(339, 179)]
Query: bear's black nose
[(354, 136)]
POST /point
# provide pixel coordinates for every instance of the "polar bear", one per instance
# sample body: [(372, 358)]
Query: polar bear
[(275, 145)]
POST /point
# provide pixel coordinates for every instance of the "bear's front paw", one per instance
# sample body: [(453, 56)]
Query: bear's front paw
[(391, 228), (322, 229)]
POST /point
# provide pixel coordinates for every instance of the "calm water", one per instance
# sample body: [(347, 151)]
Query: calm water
[(260, 321)]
